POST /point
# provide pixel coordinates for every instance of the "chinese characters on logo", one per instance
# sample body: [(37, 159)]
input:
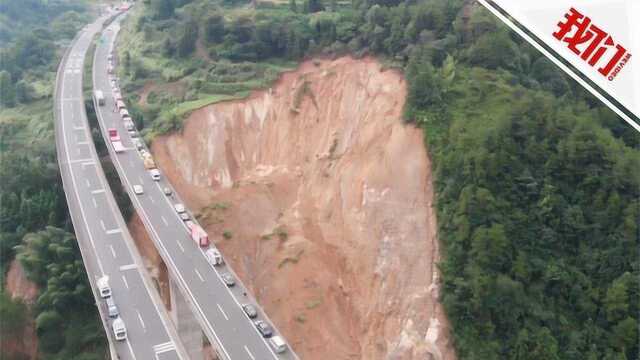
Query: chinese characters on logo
[(595, 44)]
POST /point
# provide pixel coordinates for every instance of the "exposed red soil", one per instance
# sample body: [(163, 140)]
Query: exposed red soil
[(24, 345), (326, 198)]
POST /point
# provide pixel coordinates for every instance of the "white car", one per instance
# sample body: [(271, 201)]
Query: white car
[(138, 190), (155, 174), (278, 344), (179, 208)]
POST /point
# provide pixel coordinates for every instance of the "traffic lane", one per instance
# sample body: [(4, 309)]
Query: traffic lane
[(234, 328), (143, 179), (116, 257), (144, 328), (193, 258), (231, 335), (91, 178)]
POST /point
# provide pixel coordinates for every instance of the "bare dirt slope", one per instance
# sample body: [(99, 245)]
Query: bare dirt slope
[(21, 344), (326, 201)]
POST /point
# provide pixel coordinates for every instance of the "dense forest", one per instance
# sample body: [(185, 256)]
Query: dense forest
[(34, 223), (537, 183)]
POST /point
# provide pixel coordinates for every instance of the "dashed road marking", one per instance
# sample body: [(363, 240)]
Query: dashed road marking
[(199, 276), (113, 251), (128, 267), (126, 284), (114, 231), (222, 311), (166, 223), (141, 321), (99, 191), (249, 353), (95, 203), (180, 245)]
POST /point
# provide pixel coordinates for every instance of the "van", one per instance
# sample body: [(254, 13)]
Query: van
[(129, 125), (278, 344), (119, 330), (112, 309), (103, 287), (155, 174), (214, 257)]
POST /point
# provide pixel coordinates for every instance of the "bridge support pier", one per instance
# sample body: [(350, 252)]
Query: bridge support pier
[(188, 327)]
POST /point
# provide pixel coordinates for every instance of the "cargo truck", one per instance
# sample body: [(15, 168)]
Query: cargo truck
[(113, 135), (148, 162), (99, 97), (198, 234)]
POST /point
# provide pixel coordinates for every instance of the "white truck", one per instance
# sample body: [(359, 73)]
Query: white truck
[(99, 97), (103, 287), (118, 147), (119, 329)]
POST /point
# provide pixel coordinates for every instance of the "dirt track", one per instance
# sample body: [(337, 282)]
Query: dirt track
[(326, 201)]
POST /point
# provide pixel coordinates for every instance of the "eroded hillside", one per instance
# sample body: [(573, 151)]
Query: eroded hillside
[(321, 199)]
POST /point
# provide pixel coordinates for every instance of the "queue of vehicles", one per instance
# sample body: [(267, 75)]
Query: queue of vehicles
[(197, 233), (117, 326)]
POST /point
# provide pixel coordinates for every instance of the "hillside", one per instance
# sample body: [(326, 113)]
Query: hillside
[(320, 198), (536, 183), (37, 248)]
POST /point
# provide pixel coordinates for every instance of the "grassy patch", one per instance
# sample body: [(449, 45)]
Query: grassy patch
[(291, 259), (312, 304)]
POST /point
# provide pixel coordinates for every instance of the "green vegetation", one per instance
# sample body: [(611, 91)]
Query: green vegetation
[(227, 234), (537, 183), (34, 221)]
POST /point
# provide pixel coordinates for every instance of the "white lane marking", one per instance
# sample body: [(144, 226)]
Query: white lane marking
[(141, 321), (73, 181), (164, 347), (80, 160), (199, 276), (126, 284), (113, 251), (163, 249), (95, 204), (99, 191), (180, 245), (88, 163), (78, 127), (114, 231), (128, 267), (86, 181), (102, 225), (222, 311), (151, 198), (82, 143), (249, 352), (131, 349), (164, 220)]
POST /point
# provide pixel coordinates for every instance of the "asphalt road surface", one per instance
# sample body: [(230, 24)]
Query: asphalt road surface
[(216, 306), (104, 240)]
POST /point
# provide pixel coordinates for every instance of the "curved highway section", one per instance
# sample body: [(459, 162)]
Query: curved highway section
[(217, 307), (104, 240)]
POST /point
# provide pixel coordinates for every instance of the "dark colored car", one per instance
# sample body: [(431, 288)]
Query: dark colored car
[(264, 328), (250, 310), (228, 279)]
